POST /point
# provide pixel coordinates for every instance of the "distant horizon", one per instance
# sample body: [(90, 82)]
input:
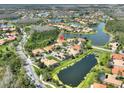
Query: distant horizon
[(53, 5)]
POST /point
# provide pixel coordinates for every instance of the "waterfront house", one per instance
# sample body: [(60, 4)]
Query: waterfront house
[(98, 85), (113, 46), (74, 50), (61, 39), (70, 40)]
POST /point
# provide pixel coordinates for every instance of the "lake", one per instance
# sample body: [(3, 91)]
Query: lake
[(73, 75), (98, 39)]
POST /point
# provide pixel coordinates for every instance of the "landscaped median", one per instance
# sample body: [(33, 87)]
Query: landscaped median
[(67, 63)]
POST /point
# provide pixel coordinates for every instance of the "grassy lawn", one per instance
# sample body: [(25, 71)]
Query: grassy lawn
[(88, 80), (51, 57), (68, 63), (102, 58)]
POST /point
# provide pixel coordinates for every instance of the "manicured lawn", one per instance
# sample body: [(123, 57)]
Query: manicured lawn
[(67, 63), (88, 80), (103, 58), (51, 57)]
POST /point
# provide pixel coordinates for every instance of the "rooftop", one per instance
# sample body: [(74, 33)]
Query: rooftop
[(48, 48), (98, 85), (118, 70), (111, 79), (118, 62), (48, 62), (36, 51), (118, 56)]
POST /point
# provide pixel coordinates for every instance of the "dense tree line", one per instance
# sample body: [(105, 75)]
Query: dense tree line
[(8, 58), (41, 39), (116, 27)]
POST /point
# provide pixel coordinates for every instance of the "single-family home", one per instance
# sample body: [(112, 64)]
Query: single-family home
[(74, 50), (98, 85), (37, 51), (48, 48), (118, 70), (49, 62), (111, 79), (119, 63), (114, 46), (118, 56)]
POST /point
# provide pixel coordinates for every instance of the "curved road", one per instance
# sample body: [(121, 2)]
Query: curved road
[(28, 62)]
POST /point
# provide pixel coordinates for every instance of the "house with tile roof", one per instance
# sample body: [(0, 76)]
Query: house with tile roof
[(98, 85), (111, 79), (118, 56), (118, 70)]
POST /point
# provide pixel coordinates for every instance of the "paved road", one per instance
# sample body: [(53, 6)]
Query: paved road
[(46, 83), (28, 62), (103, 49)]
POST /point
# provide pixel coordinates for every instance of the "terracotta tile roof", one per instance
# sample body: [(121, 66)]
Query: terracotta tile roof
[(111, 79), (76, 47), (48, 62), (118, 56), (48, 48), (36, 51), (97, 85), (118, 70)]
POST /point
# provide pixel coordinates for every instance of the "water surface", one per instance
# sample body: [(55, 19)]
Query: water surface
[(73, 75), (98, 39)]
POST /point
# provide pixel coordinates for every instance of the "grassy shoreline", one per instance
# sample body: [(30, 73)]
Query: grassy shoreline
[(67, 64), (111, 36)]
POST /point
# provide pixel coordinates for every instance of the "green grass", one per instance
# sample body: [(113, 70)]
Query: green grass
[(116, 27), (41, 39), (102, 59), (68, 63), (88, 80), (51, 57)]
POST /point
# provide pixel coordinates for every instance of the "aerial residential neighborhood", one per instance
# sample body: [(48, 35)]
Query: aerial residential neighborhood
[(62, 46)]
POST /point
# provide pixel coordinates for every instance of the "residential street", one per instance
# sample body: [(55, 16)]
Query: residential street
[(28, 67)]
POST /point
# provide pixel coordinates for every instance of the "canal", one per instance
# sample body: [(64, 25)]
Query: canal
[(73, 75)]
